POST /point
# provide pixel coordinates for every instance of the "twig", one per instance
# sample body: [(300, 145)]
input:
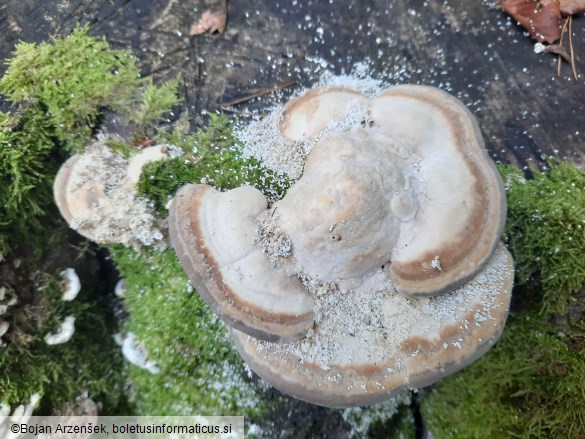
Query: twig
[(561, 45), (570, 20), (256, 95), (233, 110)]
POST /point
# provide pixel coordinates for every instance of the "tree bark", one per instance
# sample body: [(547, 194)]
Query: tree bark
[(477, 53)]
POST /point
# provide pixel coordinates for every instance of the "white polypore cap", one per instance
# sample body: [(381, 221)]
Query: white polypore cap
[(309, 114), (72, 284), (145, 156), (63, 333), (135, 352), (95, 192), (371, 344), (213, 234), (462, 213)]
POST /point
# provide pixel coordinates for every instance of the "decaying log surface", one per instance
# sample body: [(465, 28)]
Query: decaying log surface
[(476, 52), (467, 48)]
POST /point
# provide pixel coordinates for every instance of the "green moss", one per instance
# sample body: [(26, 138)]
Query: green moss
[(25, 177), (531, 384), (545, 230), (213, 156), (392, 419), (89, 362), (70, 80), (156, 101), (58, 91), (200, 371)]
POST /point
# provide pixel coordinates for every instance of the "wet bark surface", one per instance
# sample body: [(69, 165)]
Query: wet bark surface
[(469, 49)]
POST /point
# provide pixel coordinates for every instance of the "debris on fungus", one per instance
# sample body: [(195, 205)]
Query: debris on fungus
[(393, 276)]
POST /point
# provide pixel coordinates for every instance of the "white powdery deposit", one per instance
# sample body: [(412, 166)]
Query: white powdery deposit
[(368, 326), (263, 141)]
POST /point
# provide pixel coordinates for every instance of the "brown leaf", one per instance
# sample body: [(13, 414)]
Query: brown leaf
[(210, 21), (142, 143), (571, 7), (542, 19)]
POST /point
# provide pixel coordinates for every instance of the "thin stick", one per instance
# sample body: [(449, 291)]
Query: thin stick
[(240, 112), (258, 94), (561, 45), (571, 46)]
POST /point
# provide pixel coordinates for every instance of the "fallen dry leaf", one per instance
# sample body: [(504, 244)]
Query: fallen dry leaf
[(571, 7), (142, 143), (210, 21), (542, 19)]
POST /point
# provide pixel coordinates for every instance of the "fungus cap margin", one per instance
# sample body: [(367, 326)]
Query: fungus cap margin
[(460, 222), (213, 234), (307, 115), (417, 361)]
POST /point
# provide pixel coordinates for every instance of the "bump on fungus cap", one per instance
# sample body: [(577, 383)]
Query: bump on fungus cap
[(213, 234)]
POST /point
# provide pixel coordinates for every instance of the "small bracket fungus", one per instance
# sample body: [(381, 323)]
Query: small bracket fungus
[(232, 274), (381, 267), (121, 288), (96, 194), (19, 416), (135, 352), (3, 329), (71, 284), (64, 332)]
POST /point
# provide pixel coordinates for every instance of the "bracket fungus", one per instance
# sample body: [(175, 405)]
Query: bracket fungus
[(135, 352), (71, 284), (96, 193), (381, 267), (230, 273), (64, 332)]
